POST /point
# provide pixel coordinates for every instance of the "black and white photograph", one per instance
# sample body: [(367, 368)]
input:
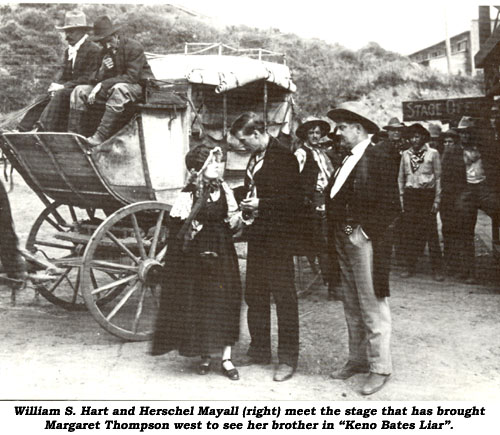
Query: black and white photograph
[(250, 201)]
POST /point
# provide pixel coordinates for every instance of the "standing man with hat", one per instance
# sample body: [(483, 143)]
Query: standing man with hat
[(118, 81), (315, 170), (470, 176), (448, 212), (388, 153), (420, 195), (395, 136), (358, 218), (435, 138), (81, 60)]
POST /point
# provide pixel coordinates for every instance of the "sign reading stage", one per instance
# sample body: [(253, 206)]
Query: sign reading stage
[(451, 108)]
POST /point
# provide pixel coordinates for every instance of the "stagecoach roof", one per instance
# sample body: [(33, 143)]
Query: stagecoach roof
[(223, 72)]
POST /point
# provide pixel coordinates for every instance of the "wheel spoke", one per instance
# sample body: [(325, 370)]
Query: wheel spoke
[(92, 278), (113, 284), (139, 309), (122, 301), (110, 266), (122, 247), (60, 220), (75, 289), (73, 213), (77, 286), (156, 234), (138, 236), (59, 280), (161, 254), (54, 224), (54, 245)]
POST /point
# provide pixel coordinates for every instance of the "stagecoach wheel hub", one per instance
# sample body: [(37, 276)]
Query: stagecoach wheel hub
[(149, 271)]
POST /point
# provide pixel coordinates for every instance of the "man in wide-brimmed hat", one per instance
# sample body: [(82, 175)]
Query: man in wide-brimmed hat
[(470, 182), (435, 141), (396, 134), (316, 169), (387, 154), (358, 217), (120, 79), (81, 60), (420, 195), (448, 212)]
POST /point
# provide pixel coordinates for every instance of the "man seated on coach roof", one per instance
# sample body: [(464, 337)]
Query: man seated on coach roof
[(80, 61), (119, 80)]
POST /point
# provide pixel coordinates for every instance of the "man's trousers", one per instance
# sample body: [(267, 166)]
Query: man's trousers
[(116, 98), (474, 197), (368, 317), (55, 115), (420, 226), (270, 271)]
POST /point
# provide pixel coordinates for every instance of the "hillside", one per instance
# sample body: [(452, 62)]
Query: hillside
[(325, 74)]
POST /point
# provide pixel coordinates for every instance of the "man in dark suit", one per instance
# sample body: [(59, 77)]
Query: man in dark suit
[(359, 211), (471, 182), (81, 59), (273, 196), (119, 80)]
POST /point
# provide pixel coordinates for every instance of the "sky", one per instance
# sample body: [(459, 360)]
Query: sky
[(401, 26)]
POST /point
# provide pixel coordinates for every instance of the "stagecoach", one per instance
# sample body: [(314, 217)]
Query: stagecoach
[(102, 233)]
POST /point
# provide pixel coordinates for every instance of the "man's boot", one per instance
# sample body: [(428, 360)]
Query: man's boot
[(75, 121), (109, 123)]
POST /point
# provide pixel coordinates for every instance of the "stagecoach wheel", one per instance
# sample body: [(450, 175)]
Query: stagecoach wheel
[(65, 256), (130, 247), (57, 239)]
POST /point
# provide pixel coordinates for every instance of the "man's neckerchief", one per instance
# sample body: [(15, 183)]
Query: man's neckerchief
[(417, 158)]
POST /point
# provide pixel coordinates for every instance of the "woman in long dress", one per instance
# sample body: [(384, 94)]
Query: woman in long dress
[(199, 310)]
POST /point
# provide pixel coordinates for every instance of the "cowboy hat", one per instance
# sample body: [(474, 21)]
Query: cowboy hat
[(311, 122), (74, 20), (103, 27), (395, 124), (352, 111), (449, 133), (417, 128), (434, 130), (466, 123)]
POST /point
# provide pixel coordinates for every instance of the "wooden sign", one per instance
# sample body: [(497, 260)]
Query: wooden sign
[(451, 108)]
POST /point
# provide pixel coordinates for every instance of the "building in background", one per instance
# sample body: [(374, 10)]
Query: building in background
[(463, 48)]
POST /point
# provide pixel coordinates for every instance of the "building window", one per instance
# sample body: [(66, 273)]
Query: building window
[(462, 46)]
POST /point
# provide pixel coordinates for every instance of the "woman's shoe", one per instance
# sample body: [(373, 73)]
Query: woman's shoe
[(231, 373), (204, 367)]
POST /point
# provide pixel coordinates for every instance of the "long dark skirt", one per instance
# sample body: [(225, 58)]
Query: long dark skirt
[(199, 310)]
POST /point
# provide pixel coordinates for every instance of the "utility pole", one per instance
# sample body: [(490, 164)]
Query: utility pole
[(447, 40)]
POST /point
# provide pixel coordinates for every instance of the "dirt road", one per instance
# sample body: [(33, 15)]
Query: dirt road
[(445, 346)]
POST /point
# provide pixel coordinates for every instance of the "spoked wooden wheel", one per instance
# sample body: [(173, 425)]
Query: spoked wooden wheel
[(54, 239), (129, 248)]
